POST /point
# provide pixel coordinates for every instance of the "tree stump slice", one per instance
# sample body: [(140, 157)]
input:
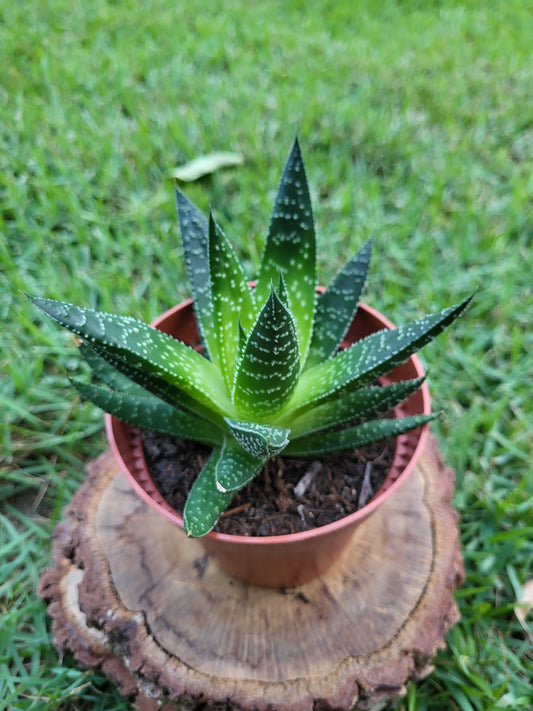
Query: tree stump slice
[(130, 595)]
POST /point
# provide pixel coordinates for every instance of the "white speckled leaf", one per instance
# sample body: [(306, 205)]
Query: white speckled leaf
[(352, 408), (336, 307), (232, 301), (108, 374), (195, 239), (150, 412), (163, 364), (290, 247), (268, 369), (369, 358), (205, 502), (353, 437), (261, 441), (235, 467)]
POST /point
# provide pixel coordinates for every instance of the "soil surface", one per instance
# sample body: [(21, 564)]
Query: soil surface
[(288, 496)]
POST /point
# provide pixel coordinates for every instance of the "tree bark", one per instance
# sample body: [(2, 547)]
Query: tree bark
[(130, 595)]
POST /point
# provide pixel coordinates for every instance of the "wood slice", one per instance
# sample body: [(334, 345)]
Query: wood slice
[(129, 594)]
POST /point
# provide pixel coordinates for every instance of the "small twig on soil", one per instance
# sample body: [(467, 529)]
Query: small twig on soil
[(366, 488), (236, 510), (304, 483), (304, 513)]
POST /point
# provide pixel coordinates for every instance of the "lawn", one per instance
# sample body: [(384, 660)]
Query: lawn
[(416, 123)]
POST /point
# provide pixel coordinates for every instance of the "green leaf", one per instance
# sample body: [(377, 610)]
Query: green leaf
[(205, 502), (290, 247), (232, 300), (336, 307), (282, 292), (369, 358), (158, 362), (354, 437), (243, 337), (261, 441), (352, 408), (149, 412), (236, 467), (195, 239), (110, 375), (268, 369)]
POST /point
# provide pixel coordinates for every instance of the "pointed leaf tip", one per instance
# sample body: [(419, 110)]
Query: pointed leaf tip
[(261, 441), (235, 467), (371, 357), (232, 300), (337, 305), (269, 367), (205, 502), (290, 247)]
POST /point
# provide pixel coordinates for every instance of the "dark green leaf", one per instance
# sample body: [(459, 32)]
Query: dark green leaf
[(354, 437), (110, 375), (235, 467), (369, 358), (195, 239), (269, 366), (336, 307), (158, 362), (205, 502), (261, 441), (232, 301), (353, 407), (149, 412), (290, 247)]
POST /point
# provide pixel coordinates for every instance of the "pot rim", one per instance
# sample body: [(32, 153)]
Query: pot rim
[(420, 433)]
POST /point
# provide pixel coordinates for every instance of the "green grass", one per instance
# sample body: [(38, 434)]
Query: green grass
[(416, 124)]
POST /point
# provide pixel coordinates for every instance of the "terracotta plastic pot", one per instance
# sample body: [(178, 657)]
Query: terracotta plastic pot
[(285, 560)]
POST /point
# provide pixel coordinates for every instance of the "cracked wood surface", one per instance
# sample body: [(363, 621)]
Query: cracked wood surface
[(129, 594)]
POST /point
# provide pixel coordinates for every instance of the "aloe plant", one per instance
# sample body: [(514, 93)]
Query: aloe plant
[(271, 377)]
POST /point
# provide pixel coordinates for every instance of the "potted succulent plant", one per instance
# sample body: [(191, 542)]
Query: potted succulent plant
[(256, 370)]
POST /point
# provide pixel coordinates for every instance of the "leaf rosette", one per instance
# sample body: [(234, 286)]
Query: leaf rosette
[(271, 378)]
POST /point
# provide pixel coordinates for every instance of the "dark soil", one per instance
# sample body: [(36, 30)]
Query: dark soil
[(326, 490)]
